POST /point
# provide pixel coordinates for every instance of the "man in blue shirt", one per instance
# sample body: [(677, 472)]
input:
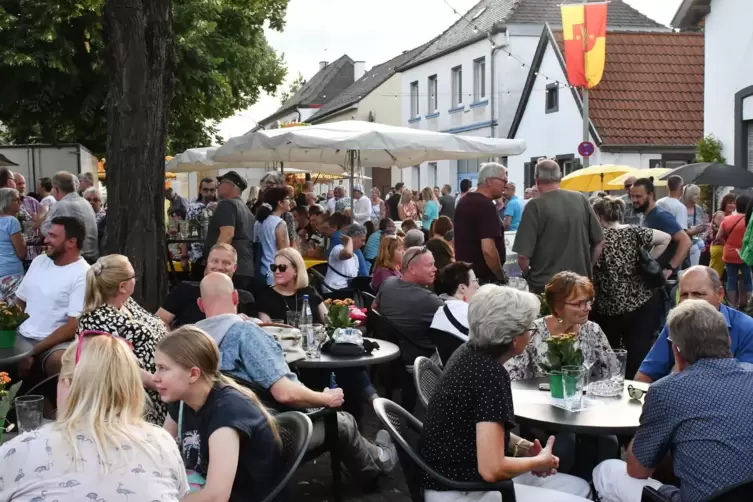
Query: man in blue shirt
[(701, 414), (644, 201), (513, 208), (700, 283)]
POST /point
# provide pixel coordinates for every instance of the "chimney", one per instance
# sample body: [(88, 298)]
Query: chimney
[(322, 65), (359, 69)]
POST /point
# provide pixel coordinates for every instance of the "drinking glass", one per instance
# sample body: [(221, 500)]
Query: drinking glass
[(294, 318), (614, 383), (572, 386), (316, 336), (29, 412), (591, 355)]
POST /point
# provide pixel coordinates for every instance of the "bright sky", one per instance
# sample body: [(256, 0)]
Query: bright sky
[(374, 32)]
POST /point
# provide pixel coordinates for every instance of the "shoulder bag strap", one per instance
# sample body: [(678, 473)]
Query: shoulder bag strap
[(454, 321), (180, 422)]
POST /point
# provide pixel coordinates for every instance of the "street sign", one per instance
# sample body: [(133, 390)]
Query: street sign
[(586, 149)]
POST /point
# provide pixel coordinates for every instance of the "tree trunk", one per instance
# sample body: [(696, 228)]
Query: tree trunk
[(140, 60)]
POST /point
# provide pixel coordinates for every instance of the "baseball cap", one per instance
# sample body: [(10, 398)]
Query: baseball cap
[(233, 178)]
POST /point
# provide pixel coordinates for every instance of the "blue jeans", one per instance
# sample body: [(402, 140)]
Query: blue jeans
[(732, 271)]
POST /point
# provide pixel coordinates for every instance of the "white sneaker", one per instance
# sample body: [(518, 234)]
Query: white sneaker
[(388, 456)]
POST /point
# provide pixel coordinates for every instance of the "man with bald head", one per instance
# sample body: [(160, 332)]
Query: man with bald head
[(248, 353), (700, 283), (631, 217), (557, 220)]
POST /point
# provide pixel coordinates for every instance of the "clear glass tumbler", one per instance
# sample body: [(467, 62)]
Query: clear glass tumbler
[(572, 386), (617, 361), (29, 412), (293, 318)]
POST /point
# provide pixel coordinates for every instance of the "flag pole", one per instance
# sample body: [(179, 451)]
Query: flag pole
[(585, 111)]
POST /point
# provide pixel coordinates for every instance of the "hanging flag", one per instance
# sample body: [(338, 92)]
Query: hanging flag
[(585, 29)]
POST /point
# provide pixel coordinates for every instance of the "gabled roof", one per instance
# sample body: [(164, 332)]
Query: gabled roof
[(327, 84), (690, 13), (651, 92), (372, 79), (491, 16)]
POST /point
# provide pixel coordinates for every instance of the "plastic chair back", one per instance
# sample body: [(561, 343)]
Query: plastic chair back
[(427, 376), (295, 434)]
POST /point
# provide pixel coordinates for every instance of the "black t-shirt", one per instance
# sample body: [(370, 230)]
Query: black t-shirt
[(392, 203), (259, 460), (277, 306), (447, 205), (476, 218), (300, 200), (181, 302), (233, 213), (474, 388)]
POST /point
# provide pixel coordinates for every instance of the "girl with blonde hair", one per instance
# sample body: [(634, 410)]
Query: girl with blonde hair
[(406, 209), (429, 209), (108, 307), (100, 447), (228, 438)]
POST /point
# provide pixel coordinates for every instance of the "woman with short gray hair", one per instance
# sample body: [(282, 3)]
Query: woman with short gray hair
[(698, 222), (466, 435), (12, 244), (343, 262)]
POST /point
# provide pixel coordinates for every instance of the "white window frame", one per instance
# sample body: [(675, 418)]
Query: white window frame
[(432, 174), (414, 105), (457, 86), (432, 98), (479, 79)]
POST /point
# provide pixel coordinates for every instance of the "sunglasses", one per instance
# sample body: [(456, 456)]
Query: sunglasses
[(422, 251), (93, 333), (275, 267), (635, 393)]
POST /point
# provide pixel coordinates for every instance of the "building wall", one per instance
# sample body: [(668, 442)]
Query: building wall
[(729, 53)]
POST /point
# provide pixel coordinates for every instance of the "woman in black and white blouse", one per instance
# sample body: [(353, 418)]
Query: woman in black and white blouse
[(108, 307)]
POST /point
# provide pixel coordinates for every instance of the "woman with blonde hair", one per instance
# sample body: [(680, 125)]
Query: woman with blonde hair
[(388, 261), (108, 307), (99, 447), (291, 284), (406, 209), (227, 436), (430, 208)]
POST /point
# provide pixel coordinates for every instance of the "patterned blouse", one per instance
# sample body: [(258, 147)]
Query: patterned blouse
[(143, 330), (620, 288), (526, 366)]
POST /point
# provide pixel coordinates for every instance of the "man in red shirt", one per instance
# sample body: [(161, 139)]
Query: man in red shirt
[(478, 234)]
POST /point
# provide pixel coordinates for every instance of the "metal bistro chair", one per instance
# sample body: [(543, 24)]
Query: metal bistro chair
[(446, 343), (735, 493), (392, 417), (318, 272), (427, 376), (295, 434)]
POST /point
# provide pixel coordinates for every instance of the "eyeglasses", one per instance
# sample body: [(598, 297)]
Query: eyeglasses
[(421, 251), (275, 267), (92, 333), (582, 304), (636, 393), (92, 200)]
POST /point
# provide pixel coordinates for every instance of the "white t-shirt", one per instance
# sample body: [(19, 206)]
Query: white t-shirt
[(52, 295), (677, 208), (37, 466), (459, 310), (347, 268), (48, 201)]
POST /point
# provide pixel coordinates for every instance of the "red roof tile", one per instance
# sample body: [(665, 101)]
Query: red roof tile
[(651, 91)]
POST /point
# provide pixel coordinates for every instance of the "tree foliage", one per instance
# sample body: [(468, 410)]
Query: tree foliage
[(709, 149), (295, 86), (54, 77)]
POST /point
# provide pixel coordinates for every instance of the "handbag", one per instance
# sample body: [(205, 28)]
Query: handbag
[(289, 338), (650, 269)]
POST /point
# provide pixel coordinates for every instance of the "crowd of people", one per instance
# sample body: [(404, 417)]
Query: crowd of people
[(146, 401)]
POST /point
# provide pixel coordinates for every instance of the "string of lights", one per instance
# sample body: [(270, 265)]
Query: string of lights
[(510, 55)]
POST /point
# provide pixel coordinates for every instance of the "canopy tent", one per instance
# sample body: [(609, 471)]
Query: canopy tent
[(368, 143), (200, 159)]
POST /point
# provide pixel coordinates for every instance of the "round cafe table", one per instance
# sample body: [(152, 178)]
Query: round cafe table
[(9, 357), (613, 416), (386, 352)]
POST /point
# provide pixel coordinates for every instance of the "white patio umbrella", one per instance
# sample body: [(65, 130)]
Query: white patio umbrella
[(366, 143), (200, 159)]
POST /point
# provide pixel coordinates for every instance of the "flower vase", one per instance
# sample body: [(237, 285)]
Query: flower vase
[(555, 385), (7, 338)]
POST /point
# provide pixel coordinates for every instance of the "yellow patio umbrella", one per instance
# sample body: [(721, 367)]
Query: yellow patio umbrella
[(656, 173), (593, 178)]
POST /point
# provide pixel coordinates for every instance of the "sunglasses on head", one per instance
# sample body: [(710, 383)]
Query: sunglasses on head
[(92, 333), (421, 251), (635, 393), (275, 267)]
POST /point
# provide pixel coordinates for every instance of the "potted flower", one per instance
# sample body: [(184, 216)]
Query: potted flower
[(338, 315), (6, 399), (11, 317), (562, 351)]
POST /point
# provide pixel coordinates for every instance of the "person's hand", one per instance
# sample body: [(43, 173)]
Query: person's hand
[(24, 366), (212, 206), (336, 397), (548, 463), (345, 239), (667, 273), (533, 451)]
